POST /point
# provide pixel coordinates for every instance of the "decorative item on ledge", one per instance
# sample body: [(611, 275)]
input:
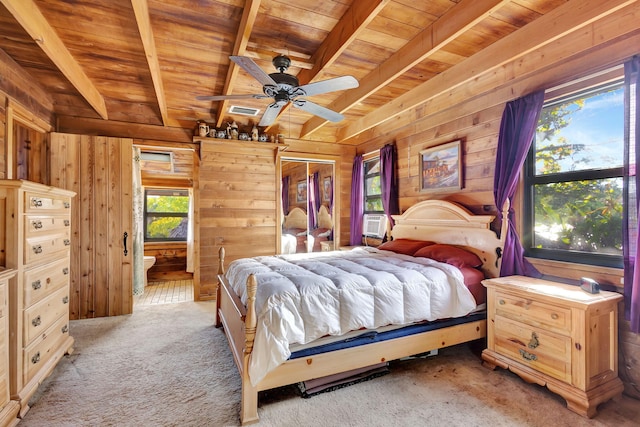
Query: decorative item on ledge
[(234, 132)]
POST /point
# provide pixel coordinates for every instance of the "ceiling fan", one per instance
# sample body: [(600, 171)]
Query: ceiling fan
[(285, 88)]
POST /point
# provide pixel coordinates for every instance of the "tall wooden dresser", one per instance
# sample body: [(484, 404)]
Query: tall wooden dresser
[(37, 242), (8, 408)]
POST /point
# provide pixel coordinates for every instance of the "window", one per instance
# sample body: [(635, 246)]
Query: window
[(166, 214), (372, 189), (574, 179)]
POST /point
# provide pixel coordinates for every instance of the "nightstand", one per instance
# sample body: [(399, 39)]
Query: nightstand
[(557, 336)]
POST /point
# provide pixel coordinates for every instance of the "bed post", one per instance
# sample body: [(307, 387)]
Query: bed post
[(216, 315), (504, 229), (249, 402)]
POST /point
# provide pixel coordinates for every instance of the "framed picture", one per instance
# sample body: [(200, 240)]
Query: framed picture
[(326, 186), (301, 192), (441, 167)]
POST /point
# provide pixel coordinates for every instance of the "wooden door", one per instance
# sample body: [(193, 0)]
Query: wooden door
[(99, 170)]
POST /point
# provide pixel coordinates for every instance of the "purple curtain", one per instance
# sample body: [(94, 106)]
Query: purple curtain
[(314, 197), (519, 122), (632, 184), (285, 195), (388, 181), (357, 201)]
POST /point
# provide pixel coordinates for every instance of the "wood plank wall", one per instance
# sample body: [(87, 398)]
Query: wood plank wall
[(237, 205)]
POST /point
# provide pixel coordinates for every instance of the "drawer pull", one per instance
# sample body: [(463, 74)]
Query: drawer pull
[(65, 271), (37, 249), (554, 316), (36, 285), (67, 242), (37, 321), (64, 329), (36, 203), (528, 356), (67, 205), (65, 299), (533, 343), (36, 358), (37, 224), (501, 302), (67, 222)]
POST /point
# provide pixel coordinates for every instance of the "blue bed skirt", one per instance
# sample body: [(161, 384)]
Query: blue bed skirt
[(373, 336)]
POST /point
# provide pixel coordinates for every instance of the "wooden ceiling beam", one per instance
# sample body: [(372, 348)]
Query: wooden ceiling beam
[(352, 23), (34, 23), (141, 11), (569, 17), (239, 47), (452, 24)]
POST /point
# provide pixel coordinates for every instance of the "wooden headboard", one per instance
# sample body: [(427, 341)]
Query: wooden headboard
[(324, 218), (447, 222), (296, 218)]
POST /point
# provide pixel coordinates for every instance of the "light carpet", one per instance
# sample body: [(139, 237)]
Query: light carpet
[(167, 365)]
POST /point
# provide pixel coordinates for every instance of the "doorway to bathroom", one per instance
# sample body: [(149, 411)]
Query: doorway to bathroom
[(163, 225)]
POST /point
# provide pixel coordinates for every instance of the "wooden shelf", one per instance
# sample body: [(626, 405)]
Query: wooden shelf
[(257, 144)]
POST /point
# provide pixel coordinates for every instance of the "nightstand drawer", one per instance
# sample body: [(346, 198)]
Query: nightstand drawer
[(545, 352), (534, 313)]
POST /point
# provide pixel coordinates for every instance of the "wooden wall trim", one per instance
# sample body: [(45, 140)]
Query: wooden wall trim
[(86, 126)]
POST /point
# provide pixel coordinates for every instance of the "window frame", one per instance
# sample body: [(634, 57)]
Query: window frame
[(155, 191), (366, 197), (530, 180)]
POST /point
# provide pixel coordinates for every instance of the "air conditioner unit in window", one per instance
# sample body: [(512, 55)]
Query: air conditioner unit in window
[(374, 225)]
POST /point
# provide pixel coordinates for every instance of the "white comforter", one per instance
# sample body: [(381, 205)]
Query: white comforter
[(303, 297)]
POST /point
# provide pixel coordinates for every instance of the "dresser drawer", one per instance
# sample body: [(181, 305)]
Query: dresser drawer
[(39, 317), (35, 202), (40, 351), (37, 249), (4, 374), (41, 281), (533, 312), (4, 303), (543, 351), (41, 225)]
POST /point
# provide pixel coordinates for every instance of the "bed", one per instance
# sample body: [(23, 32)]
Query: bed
[(439, 223)]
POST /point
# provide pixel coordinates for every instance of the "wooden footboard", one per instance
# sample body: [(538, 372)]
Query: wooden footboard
[(239, 323)]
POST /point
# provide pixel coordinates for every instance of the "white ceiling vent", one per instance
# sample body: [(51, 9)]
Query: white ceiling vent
[(245, 111)]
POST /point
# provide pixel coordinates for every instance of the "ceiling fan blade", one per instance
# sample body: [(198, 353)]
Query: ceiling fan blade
[(223, 97), (318, 110), (330, 85), (270, 114), (252, 68)]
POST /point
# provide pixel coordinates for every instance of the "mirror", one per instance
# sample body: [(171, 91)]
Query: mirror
[(307, 206)]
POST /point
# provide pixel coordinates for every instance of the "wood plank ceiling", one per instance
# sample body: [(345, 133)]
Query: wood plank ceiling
[(144, 62)]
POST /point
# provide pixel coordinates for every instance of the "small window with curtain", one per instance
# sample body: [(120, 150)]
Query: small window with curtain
[(372, 189), (574, 179), (166, 215)]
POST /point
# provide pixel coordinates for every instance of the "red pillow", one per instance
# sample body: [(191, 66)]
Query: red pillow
[(404, 246), (473, 281), (453, 255)]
